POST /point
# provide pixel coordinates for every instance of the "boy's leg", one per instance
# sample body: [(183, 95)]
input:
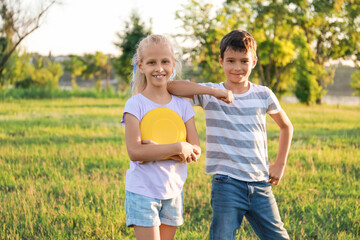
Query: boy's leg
[(229, 204), (264, 214)]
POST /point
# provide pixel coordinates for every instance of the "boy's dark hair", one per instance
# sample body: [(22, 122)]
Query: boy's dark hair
[(238, 40)]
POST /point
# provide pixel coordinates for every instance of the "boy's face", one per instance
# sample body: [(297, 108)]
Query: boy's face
[(237, 65)]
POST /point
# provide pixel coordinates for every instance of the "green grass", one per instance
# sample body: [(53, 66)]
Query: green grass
[(63, 164)]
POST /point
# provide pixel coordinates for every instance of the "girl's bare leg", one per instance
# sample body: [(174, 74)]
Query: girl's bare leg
[(147, 233), (167, 232)]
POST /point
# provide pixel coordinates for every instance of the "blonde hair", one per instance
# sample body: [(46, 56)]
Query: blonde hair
[(139, 79)]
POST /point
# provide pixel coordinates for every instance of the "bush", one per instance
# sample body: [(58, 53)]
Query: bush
[(24, 84), (46, 93)]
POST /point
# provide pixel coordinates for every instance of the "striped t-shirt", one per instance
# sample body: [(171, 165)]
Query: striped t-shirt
[(236, 140)]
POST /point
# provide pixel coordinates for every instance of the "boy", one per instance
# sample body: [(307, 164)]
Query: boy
[(236, 142)]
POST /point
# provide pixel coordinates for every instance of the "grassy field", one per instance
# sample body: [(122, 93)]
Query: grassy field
[(63, 165)]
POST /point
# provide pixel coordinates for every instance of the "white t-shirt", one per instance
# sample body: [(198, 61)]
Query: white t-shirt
[(158, 179)]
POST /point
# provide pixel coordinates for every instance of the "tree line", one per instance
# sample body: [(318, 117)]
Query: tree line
[(296, 39)]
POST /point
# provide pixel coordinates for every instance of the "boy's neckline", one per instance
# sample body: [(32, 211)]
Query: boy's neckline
[(240, 94)]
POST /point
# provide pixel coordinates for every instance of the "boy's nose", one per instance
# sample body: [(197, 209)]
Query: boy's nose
[(237, 66)]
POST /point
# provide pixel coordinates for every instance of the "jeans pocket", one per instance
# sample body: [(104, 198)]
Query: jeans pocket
[(221, 178)]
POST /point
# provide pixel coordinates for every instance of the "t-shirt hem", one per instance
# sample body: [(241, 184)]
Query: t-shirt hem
[(163, 197), (237, 177)]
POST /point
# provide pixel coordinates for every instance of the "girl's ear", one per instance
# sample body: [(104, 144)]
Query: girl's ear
[(140, 68)]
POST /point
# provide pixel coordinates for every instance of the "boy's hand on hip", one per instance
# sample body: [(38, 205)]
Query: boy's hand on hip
[(276, 173)]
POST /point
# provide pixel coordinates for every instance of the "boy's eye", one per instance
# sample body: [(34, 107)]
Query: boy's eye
[(165, 61)]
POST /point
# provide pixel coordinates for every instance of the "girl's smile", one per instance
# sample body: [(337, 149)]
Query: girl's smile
[(157, 64)]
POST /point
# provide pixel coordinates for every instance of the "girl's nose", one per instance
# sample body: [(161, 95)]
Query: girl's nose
[(159, 68)]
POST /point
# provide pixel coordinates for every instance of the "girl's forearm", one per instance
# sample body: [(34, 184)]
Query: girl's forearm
[(154, 152)]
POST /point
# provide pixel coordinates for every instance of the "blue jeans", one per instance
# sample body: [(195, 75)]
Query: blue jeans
[(232, 199)]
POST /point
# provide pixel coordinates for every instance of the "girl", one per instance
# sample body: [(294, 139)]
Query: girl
[(154, 193)]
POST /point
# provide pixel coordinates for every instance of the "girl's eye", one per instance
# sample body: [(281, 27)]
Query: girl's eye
[(165, 61)]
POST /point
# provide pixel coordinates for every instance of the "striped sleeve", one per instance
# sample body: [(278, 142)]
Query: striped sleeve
[(273, 105), (201, 100)]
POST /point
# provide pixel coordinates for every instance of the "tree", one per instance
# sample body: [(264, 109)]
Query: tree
[(17, 24), (331, 29), (275, 34), (90, 63), (75, 66), (8, 75), (355, 83), (135, 30), (102, 69), (46, 73), (205, 27), (38, 71), (306, 89), (97, 66), (56, 72)]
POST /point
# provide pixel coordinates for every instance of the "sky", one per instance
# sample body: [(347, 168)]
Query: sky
[(87, 26)]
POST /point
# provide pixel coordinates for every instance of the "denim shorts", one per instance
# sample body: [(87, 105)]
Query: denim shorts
[(232, 199), (151, 212)]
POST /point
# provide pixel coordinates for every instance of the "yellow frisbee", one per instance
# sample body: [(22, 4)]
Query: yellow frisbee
[(163, 126)]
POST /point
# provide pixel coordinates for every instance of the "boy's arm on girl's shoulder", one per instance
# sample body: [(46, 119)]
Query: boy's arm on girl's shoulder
[(188, 89), (276, 170)]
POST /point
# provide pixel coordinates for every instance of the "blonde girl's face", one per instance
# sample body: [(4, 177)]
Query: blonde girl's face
[(157, 64)]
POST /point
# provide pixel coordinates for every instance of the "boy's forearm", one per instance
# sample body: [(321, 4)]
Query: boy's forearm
[(284, 145), (188, 89)]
